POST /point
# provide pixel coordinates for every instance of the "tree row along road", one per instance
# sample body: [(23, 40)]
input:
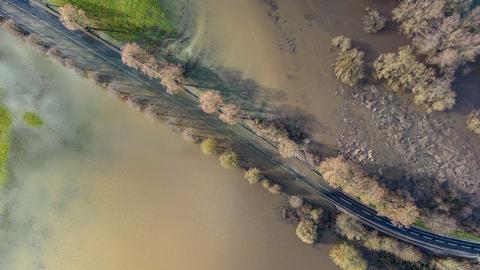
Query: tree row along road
[(88, 48)]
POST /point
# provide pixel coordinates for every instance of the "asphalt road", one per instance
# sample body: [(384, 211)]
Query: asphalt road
[(37, 19)]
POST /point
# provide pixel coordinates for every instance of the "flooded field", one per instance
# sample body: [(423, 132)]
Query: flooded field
[(100, 187), (282, 52)]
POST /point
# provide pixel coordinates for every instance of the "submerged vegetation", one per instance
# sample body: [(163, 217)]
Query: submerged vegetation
[(403, 72), (349, 65), (5, 125), (125, 20), (32, 119), (373, 21)]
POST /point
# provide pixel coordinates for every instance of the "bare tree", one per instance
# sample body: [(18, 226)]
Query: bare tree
[(210, 101), (73, 18), (171, 77), (136, 57)]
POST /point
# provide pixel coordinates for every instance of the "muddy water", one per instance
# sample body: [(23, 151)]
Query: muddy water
[(99, 187), (284, 48)]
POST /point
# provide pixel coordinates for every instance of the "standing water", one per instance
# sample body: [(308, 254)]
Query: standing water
[(100, 187)]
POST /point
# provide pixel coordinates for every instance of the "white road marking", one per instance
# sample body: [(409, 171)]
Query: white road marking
[(346, 201), (366, 212), (426, 237), (415, 233), (476, 248), (466, 247), (403, 229), (377, 218), (440, 241)]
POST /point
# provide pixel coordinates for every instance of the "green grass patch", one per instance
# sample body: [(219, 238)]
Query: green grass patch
[(5, 125), (32, 119), (125, 20), (465, 235), (421, 224)]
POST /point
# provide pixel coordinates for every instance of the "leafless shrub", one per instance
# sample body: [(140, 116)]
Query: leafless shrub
[(253, 175), (150, 113), (268, 130), (54, 53), (68, 62), (229, 159), (288, 148), (14, 29), (350, 228), (95, 77), (188, 135), (210, 101), (349, 65), (230, 114), (137, 103), (307, 232), (36, 42), (73, 18), (209, 146), (373, 21), (473, 122), (295, 201), (347, 257)]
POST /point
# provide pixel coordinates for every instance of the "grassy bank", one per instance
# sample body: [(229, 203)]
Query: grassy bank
[(125, 20), (5, 124)]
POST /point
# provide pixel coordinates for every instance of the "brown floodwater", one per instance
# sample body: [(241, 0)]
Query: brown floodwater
[(100, 187), (283, 49)]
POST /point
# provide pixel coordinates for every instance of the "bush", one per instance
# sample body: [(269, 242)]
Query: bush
[(31, 119), (307, 231), (373, 21), (349, 65), (473, 122), (253, 176), (402, 71), (229, 160), (209, 146), (347, 257)]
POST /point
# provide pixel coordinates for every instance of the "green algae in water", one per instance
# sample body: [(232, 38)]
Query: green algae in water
[(32, 119), (5, 126)]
